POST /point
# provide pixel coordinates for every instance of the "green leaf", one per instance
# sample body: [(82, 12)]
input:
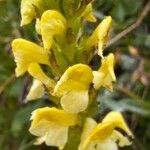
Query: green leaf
[(126, 104)]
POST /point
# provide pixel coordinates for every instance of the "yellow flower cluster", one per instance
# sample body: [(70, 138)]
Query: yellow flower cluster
[(65, 52), (103, 136)]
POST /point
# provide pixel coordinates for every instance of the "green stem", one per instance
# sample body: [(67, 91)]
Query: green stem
[(54, 100), (74, 138)]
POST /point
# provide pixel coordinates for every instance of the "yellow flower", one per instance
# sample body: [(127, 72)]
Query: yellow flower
[(51, 126), (28, 12), (25, 53), (36, 91), (52, 23), (73, 88), (36, 71), (103, 136), (31, 9), (88, 13), (100, 35), (105, 75)]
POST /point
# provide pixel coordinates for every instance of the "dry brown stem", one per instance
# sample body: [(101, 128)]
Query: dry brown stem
[(138, 21)]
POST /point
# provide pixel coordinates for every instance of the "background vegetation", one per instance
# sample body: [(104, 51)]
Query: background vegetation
[(131, 91)]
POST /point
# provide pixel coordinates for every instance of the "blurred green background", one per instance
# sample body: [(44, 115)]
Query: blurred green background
[(131, 91)]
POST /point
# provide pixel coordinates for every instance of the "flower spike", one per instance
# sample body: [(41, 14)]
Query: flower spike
[(62, 69)]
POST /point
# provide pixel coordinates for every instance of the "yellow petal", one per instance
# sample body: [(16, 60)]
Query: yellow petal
[(51, 133), (98, 79), (106, 145), (38, 26), (97, 145), (102, 131), (39, 128), (118, 121), (105, 75), (51, 125), (88, 14), (53, 115), (40, 140), (77, 77), (36, 91), (108, 65), (122, 140), (107, 131), (26, 52), (27, 12), (110, 122), (100, 35), (98, 136), (89, 125), (52, 23), (31, 9), (57, 136), (36, 71), (102, 79), (21, 68), (75, 101)]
